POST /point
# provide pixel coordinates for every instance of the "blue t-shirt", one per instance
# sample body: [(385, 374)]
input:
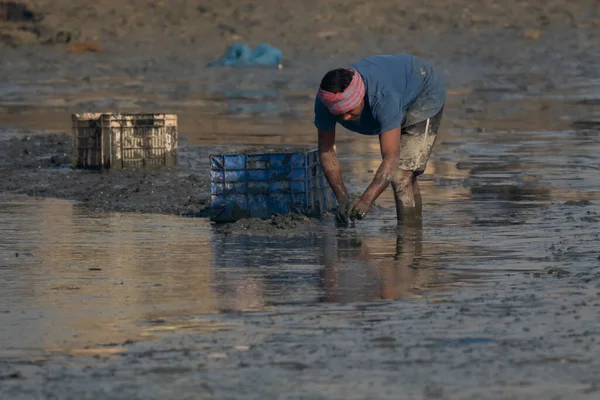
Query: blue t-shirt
[(401, 90)]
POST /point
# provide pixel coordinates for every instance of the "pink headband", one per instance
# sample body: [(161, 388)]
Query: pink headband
[(341, 103)]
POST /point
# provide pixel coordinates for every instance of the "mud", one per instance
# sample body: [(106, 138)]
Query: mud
[(40, 165), (495, 296), (279, 224)]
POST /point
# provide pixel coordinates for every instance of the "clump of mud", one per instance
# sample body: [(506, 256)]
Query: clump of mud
[(278, 224), (264, 150)]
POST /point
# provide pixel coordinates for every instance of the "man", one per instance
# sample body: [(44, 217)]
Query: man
[(399, 98)]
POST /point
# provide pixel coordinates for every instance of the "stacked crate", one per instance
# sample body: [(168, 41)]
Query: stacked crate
[(124, 141)]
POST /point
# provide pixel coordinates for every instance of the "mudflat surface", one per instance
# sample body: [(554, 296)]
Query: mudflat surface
[(108, 292), (41, 165)]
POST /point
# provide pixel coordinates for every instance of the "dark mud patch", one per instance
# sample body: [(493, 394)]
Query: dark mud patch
[(40, 165), (277, 225), (39, 151), (578, 203)]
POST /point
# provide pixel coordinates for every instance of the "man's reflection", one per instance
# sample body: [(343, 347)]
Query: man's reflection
[(362, 269)]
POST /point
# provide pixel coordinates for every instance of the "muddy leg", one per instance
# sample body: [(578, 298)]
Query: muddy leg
[(417, 193), (404, 196)]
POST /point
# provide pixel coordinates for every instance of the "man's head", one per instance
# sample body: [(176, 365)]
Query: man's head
[(342, 91)]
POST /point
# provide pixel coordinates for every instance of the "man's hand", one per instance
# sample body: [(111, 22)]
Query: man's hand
[(342, 211), (358, 209), (331, 169)]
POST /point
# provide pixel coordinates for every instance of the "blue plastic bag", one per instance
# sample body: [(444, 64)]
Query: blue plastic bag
[(240, 55)]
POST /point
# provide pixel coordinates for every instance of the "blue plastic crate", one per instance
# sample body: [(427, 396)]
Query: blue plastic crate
[(260, 185)]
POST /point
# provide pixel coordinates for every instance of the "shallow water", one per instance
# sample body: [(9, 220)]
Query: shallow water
[(495, 192)]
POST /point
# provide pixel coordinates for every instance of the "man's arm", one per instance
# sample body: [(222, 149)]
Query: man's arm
[(331, 164), (389, 141)]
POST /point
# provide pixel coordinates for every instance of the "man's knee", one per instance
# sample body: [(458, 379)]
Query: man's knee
[(402, 180), (416, 174)]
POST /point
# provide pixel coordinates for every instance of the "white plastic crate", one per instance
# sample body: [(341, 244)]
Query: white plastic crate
[(119, 141)]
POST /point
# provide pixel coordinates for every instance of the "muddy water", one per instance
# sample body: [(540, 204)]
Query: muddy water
[(495, 202), (511, 199), (72, 279)]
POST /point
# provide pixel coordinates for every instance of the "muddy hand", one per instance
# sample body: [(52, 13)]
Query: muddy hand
[(342, 211), (358, 209)]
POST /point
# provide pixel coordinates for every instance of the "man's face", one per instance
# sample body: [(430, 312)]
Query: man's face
[(353, 114)]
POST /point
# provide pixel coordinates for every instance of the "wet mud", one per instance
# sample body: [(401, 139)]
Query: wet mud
[(114, 292), (41, 166)]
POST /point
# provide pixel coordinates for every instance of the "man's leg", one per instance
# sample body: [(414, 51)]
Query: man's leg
[(402, 183), (417, 192), (416, 145)]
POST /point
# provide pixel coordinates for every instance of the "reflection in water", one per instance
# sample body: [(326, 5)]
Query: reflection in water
[(70, 278), (254, 272), (364, 269)]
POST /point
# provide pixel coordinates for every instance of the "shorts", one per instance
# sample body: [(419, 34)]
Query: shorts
[(417, 142)]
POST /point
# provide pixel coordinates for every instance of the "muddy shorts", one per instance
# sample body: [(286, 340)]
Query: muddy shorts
[(417, 142)]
